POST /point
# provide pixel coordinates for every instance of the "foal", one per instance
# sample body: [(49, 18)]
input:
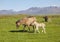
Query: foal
[(42, 25)]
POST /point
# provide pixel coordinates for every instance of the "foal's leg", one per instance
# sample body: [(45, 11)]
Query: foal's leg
[(36, 30), (43, 29)]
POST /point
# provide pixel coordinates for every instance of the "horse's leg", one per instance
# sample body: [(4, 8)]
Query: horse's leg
[(24, 27), (34, 28), (28, 28)]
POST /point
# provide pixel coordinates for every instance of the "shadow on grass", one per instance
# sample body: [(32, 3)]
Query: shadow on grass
[(18, 31), (21, 31)]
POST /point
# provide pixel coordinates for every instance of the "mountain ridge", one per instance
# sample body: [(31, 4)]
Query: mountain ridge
[(34, 10)]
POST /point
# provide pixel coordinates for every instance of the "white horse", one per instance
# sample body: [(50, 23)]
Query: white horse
[(42, 25)]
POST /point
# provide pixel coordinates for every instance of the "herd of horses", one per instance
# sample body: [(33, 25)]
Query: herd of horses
[(30, 21)]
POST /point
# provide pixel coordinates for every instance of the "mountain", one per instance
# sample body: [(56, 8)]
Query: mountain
[(34, 10), (3, 12), (44, 10)]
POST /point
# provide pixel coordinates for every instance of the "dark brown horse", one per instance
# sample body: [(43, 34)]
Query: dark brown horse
[(27, 21)]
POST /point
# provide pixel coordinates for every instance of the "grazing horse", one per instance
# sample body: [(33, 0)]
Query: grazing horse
[(27, 21), (42, 25)]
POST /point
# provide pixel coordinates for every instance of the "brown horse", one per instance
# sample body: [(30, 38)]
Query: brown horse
[(27, 21)]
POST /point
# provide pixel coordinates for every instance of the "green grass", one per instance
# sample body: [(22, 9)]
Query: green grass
[(7, 25)]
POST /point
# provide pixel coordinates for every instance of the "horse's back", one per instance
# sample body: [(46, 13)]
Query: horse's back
[(26, 20), (31, 20)]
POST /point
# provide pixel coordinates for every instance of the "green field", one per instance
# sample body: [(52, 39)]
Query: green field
[(9, 33)]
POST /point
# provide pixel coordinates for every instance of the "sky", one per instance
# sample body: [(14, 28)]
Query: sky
[(18, 5)]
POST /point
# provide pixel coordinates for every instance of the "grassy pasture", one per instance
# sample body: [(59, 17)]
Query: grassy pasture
[(9, 33)]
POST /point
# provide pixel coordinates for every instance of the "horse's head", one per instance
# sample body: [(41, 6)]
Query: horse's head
[(17, 24)]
